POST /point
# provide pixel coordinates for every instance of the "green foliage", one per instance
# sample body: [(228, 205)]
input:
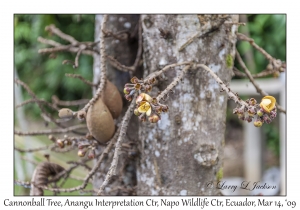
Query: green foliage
[(46, 76), (269, 32), (272, 138)]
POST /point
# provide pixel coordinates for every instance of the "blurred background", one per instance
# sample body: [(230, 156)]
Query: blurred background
[(268, 31)]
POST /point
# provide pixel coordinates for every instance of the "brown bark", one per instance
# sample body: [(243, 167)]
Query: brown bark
[(183, 152), (125, 52)]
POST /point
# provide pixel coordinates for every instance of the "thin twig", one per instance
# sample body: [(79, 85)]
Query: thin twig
[(49, 42), (33, 150), (173, 84), (121, 35), (103, 67), (51, 131), (118, 65), (23, 183), (39, 105), (258, 89), (58, 121), (62, 150), (51, 28), (29, 160), (123, 130), (140, 45), (90, 174), (34, 97), (58, 47), (59, 102), (81, 48), (278, 64), (80, 164), (157, 73), (41, 101), (251, 41), (135, 65), (66, 48), (78, 76), (229, 92), (263, 73)]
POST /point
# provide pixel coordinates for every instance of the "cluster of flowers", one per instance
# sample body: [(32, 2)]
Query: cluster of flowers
[(265, 112), (146, 106), (83, 147), (137, 86), (61, 143)]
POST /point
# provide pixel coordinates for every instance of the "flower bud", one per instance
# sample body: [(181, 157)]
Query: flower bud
[(154, 101), (81, 153), (158, 109), (134, 80), (152, 80), (154, 118), (251, 111), (260, 112), (164, 108), (81, 114), (248, 119), (142, 117), (267, 119), (257, 123), (68, 142), (128, 97), (241, 110), (137, 86), (273, 112), (91, 154), (52, 138), (60, 143), (136, 112), (252, 101), (80, 146), (148, 88), (241, 116), (126, 90), (235, 111)]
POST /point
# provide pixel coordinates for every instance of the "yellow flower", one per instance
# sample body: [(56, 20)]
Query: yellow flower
[(268, 103), (145, 108), (143, 97)]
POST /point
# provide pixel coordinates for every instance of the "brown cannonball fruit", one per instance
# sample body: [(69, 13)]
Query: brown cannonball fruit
[(112, 99), (100, 122)]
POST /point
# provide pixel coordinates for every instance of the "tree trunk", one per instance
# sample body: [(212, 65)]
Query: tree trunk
[(182, 154)]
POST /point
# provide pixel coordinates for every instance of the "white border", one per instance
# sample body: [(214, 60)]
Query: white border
[(154, 6)]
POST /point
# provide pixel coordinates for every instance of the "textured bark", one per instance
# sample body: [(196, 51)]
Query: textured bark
[(125, 52), (183, 152)]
